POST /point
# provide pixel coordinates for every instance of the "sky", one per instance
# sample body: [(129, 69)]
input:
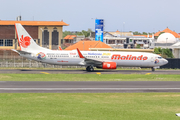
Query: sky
[(122, 15)]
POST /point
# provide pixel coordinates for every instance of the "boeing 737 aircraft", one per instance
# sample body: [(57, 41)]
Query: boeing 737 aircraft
[(90, 59)]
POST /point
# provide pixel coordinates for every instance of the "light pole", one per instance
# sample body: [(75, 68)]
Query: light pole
[(123, 26), (93, 29)]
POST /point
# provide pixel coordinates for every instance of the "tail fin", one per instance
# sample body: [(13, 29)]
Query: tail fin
[(25, 40), (60, 48)]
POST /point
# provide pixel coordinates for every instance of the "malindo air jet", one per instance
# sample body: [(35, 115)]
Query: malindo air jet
[(99, 59)]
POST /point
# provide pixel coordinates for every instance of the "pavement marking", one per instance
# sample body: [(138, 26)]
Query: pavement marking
[(98, 73), (89, 88), (45, 72)]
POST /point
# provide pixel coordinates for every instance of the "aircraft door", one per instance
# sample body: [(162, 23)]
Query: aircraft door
[(152, 58)]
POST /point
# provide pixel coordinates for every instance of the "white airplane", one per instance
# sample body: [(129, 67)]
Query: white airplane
[(100, 59)]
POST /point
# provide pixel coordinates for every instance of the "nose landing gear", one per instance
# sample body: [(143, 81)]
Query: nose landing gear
[(152, 69)]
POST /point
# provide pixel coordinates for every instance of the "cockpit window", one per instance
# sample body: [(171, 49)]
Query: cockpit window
[(160, 57)]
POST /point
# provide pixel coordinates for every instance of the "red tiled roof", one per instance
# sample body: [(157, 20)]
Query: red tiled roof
[(157, 34), (167, 30), (70, 37), (85, 45), (34, 23)]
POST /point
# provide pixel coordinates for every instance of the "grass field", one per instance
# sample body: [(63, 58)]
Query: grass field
[(88, 77), (89, 106)]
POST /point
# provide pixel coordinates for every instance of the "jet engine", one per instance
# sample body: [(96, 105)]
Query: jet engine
[(108, 65)]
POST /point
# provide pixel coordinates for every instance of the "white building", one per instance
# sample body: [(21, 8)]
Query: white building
[(168, 40), (126, 40)]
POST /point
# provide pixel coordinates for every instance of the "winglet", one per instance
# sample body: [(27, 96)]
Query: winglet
[(60, 48), (80, 55)]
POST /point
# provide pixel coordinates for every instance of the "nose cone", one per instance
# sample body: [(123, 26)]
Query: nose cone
[(165, 61)]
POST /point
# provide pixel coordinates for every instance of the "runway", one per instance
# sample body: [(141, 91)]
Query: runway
[(50, 71), (89, 87)]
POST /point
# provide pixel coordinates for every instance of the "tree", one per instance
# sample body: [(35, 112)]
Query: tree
[(138, 46), (144, 33), (65, 33), (166, 53), (83, 32), (136, 33), (86, 33), (89, 30), (156, 51)]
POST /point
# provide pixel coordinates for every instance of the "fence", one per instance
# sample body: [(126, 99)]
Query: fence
[(21, 62), (172, 63)]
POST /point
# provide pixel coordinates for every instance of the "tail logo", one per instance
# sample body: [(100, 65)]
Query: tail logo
[(25, 41)]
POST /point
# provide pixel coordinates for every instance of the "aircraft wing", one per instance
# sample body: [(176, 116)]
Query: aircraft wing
[(94, 62), (89, 61)]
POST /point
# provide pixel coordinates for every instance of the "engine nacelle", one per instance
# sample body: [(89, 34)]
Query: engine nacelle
[(109, 65)]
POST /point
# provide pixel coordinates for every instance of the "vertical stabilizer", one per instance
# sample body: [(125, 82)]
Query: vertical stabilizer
[(25, 40)]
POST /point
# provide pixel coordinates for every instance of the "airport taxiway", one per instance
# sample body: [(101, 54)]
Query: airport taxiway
[(88, 86), (52, 71)]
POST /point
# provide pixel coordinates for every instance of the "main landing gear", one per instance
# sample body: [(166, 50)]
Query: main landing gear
[(153, 69), (89, 68)]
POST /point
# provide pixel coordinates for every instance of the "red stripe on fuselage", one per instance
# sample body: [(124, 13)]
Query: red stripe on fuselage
[(128, 57)]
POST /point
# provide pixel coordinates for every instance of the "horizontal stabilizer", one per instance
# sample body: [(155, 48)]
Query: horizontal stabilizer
[(21, 52)]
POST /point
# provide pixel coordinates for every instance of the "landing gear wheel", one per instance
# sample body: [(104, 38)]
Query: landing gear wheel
[(153, 69), (89, 69)]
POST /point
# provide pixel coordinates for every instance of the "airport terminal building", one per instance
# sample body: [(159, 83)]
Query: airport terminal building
[(45, 33)]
